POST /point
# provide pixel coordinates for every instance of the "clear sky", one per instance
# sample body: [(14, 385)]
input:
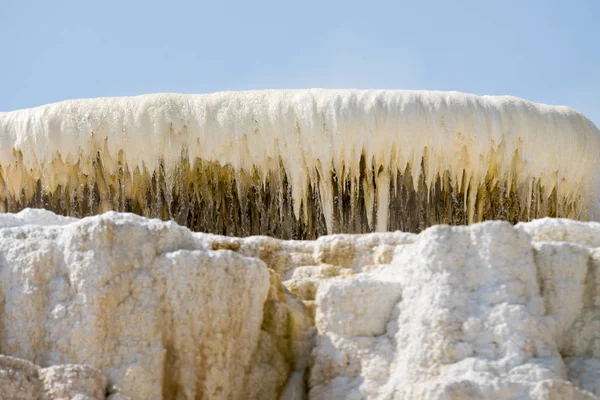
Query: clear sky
[(546, 51)]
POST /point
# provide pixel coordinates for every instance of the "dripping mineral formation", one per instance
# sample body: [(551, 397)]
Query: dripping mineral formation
[(299, 164), (122, 306)]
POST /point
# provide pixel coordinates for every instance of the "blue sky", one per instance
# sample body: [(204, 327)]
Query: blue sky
[(545, 51)]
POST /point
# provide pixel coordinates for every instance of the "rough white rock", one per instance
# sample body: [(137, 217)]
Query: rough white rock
[(78, 382), (143, 301), (483, 311), (21, 379)]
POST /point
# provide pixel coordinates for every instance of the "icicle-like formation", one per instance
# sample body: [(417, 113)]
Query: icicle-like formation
[(300, 163)]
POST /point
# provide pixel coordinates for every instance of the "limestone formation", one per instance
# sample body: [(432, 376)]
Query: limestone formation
[(23, 380), (298, 164), (487, 311)]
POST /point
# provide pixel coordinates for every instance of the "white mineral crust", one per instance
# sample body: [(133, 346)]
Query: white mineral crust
[(476, 140), (149, 310)]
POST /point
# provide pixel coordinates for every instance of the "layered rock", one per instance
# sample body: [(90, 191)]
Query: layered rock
[(489, 310)]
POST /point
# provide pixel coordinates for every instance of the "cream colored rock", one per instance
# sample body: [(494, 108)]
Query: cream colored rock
[(19, 379), (143, 301), (488, 311), (478, 312), (66, 382), (23, 380)]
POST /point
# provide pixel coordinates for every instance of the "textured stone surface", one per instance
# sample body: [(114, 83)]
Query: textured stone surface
[(23, 380), (485, 311), (143, 301)]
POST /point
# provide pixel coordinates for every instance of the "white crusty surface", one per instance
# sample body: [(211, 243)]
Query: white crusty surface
[(483, 311), (23, 380), (310, 133), (141, 300)]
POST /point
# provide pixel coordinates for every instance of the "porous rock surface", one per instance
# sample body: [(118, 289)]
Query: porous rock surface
[(118, 306), (23, 380)]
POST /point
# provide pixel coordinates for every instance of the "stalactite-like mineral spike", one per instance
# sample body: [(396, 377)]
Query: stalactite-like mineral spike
[(368, 193), (326, 195), (383, 199)]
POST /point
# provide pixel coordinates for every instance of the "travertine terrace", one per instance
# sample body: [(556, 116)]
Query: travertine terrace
[(152, 310), (302, 163), (146, 248)]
